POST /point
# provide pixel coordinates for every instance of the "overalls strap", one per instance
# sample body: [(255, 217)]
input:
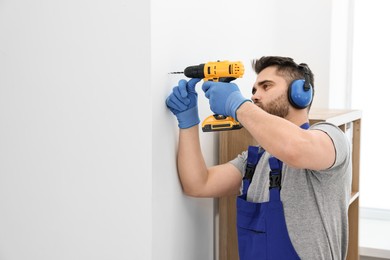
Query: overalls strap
[(254, 154), (275, 178), (275, 175)]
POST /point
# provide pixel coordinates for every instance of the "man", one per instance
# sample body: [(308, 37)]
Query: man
[(294, 203)]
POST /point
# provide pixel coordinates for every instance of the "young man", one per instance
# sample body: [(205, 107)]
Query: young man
[(294, 188)]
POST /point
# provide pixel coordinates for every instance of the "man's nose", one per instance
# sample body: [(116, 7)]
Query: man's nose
[(256, 96)]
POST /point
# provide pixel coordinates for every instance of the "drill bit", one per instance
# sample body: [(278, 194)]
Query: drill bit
[(176, 72)]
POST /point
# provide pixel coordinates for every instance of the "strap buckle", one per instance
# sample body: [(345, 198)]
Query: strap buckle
[(254, 154), (275, 179), (249, 171)]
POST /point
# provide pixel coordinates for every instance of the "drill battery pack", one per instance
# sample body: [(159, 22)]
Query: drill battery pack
[(220, 123)]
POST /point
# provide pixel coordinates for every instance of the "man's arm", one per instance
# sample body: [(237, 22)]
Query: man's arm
[(197, 180), (310, 149)]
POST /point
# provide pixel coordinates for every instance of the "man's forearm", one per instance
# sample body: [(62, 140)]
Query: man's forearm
[(191, 165)]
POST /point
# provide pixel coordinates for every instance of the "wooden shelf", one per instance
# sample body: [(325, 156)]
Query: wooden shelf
[(234, 142), (334, 116)]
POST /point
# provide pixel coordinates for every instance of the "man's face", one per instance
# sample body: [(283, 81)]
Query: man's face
[(270, 92)]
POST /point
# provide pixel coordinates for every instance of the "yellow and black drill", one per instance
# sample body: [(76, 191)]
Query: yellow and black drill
[(222, 71)]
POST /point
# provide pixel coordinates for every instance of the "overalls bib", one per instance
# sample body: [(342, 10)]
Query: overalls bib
[(261, 227)]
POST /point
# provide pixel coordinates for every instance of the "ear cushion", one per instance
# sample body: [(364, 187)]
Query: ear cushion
[(298, 96)]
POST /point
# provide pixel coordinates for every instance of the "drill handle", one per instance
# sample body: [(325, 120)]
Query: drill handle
[(224, 79), (227, 79)]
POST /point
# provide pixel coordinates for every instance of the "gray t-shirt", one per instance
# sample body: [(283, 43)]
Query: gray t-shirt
[(315, 202)]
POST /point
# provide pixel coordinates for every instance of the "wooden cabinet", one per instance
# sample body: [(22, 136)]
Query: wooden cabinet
[(232, 143)]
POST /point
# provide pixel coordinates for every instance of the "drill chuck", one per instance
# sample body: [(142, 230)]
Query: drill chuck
[(195, 71)]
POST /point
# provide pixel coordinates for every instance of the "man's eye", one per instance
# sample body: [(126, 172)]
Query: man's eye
[(253, 91)]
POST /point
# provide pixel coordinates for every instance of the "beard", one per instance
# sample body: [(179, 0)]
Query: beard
[(277, 107)]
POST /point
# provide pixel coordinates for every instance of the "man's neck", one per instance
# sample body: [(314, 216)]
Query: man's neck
[(298, 117)]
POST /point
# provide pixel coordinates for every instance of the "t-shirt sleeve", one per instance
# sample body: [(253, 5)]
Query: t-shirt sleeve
[(340, 142), (240, 162)]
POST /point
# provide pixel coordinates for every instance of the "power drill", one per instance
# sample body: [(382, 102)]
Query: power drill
[(222, 71)]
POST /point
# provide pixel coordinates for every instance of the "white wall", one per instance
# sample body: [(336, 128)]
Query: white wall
[(75, 166), (371, 55), (82, 91), (340, 76), (191, 32)]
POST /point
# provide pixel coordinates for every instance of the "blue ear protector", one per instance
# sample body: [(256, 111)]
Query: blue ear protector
[(300, 91)]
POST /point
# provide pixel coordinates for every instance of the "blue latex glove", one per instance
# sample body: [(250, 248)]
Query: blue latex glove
[(183, 103), (224, 98)]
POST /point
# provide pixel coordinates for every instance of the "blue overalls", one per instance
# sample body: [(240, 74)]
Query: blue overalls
[(261, 227)]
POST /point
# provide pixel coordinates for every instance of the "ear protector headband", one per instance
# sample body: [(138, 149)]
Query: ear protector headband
[(300, 91)]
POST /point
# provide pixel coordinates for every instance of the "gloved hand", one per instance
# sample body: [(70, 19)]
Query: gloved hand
[(183, 103), (224, 98)]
